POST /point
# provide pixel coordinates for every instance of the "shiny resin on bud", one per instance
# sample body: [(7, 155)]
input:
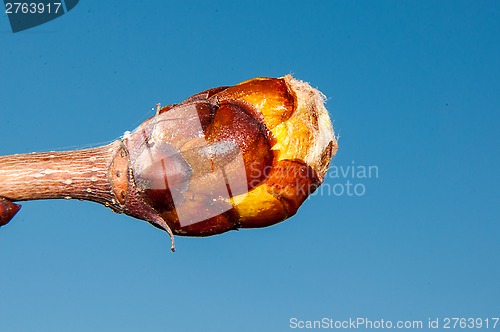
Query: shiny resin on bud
[(230, 157)]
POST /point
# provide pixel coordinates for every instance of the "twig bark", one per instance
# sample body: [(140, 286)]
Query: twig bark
[(80, 174)]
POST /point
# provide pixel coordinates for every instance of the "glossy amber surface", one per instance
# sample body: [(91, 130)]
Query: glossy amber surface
[(230, 157)]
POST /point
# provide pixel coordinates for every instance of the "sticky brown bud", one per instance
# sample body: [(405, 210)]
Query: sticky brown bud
[(253, 153)]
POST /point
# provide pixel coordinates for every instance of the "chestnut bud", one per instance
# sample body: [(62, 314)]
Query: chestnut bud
[(232, 157)]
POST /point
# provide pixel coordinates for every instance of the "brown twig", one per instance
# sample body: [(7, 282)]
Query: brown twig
[(80, 174), (99, 174)]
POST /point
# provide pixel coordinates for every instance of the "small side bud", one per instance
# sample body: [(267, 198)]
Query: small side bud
[(7, 211)]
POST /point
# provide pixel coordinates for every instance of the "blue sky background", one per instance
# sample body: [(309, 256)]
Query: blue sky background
[(413, 89)]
